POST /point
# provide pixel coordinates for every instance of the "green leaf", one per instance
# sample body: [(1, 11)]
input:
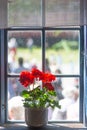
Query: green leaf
[(25, 94)]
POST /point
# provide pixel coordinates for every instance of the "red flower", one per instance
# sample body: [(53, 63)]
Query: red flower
[(37, 73), (26, 78), (48, 77), (48, 86)]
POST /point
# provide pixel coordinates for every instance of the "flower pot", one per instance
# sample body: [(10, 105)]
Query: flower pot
[(36, 117)]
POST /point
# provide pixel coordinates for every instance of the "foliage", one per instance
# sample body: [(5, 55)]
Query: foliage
[(37, 95), (66, 45)]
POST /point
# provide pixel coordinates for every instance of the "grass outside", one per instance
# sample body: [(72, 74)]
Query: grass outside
[(36, 53)]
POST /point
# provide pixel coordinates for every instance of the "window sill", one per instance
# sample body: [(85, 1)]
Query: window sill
[(65, 126)]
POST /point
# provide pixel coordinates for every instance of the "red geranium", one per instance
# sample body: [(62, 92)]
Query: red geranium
[(48, 86), (26, 78), (36, 96), (47, 77), (37, 73)]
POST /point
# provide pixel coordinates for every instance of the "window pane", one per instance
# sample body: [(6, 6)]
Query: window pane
[(24, 13), (67, 90), (62, 51), (56, 12), (15, 103), (68, 95), (62, 12), (24, 50)]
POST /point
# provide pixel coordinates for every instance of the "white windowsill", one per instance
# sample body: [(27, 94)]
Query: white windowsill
[(53, 126)]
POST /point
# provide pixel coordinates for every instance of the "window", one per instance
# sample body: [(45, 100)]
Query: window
[(38, 39), (58, 51)]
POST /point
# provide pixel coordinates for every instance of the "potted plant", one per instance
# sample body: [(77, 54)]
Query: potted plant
[(38, 97)]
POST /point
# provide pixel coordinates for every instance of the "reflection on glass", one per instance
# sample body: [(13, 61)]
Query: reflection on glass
[(62, 51), (24, 50)]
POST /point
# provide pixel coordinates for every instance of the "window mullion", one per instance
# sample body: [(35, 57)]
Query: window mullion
[(43, 12), (2, 78), (85, 77)]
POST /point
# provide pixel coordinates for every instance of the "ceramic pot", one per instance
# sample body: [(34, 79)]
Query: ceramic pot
[(36, 117)]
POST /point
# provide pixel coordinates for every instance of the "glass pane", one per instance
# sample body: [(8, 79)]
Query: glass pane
[(67, 90), (62, 12), (15, 103), (24, 13), (24, 50), (68, 95), (62, 51)]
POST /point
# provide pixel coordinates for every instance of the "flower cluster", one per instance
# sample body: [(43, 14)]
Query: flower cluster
[(38, 95)]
